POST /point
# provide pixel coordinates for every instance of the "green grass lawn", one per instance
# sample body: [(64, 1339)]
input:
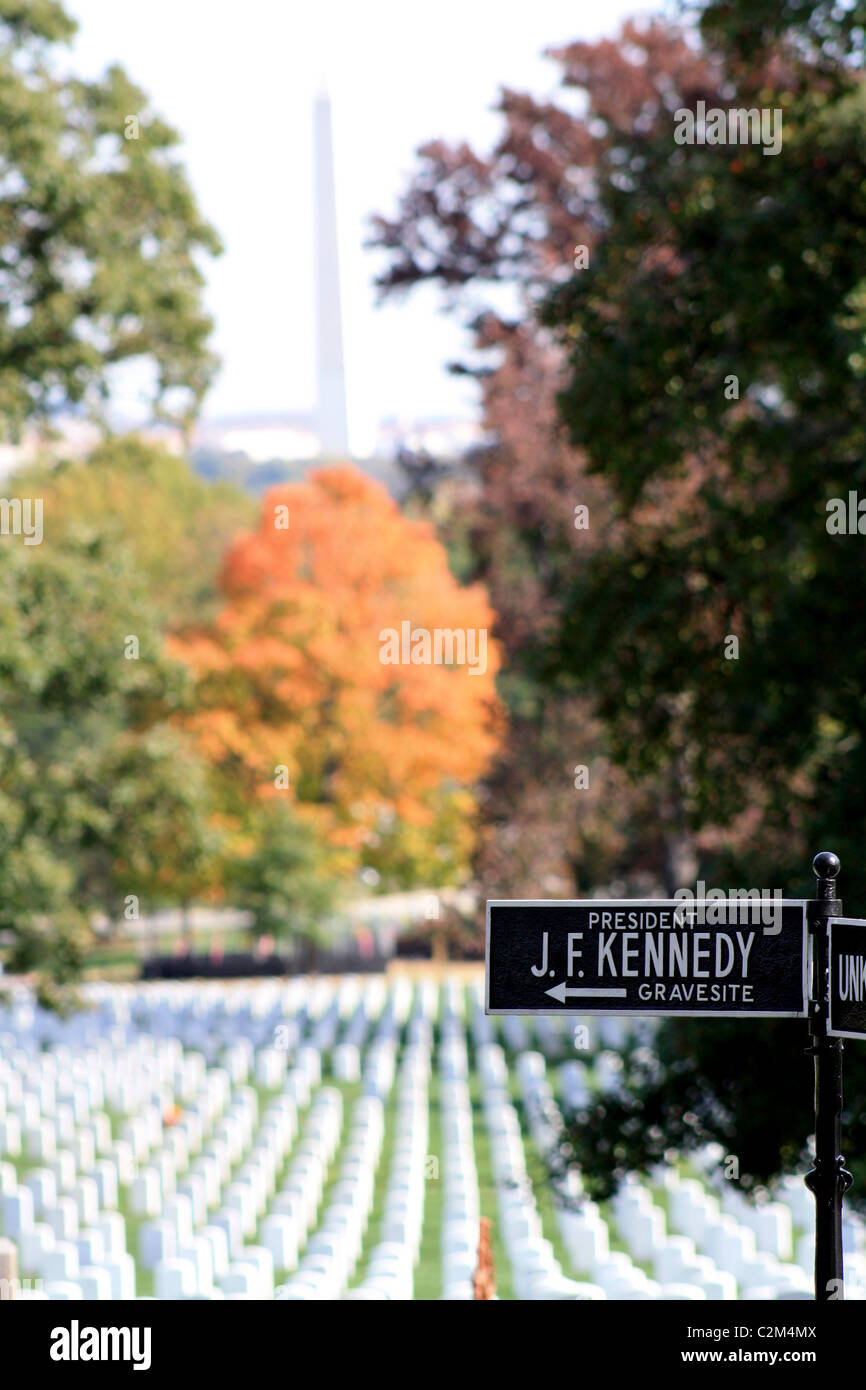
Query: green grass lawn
[(380, 1185)]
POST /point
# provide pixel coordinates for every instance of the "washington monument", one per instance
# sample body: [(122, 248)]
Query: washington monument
[(331, 423)]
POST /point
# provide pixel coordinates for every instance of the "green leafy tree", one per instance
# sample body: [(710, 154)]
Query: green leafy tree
[(282, 877), (717, 350), (716, 370), (101, 796), (746, 1087), (99, 233), (175, 526)]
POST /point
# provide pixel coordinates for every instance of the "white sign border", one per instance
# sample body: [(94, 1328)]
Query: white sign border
[(646, 1013)]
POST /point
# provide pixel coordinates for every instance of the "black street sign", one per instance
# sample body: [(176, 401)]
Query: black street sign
[(847, 978), (732, 957)]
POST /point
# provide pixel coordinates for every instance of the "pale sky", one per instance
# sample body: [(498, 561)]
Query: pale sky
[(238, 81)]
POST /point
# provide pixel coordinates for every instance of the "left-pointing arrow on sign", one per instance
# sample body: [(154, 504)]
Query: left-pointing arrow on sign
[(562, 992)]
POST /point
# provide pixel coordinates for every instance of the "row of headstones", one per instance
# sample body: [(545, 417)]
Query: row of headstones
[(200, 1015), (333, 1249), (151, 1187), (189, 1246), (198, 1018), (558, 1037), (202, 1018), (461, 1198), (586, 1235), (182, 1262), (537, 1274), (774, 1224), (353, 1009), (239, 1058), (389, 1269), (332, 1255), (264, 1227), (718, 1243), (748, 1244), (63, 1212), (578, 1079)]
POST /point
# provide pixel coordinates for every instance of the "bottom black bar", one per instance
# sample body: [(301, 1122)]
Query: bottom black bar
[(255, 1339)]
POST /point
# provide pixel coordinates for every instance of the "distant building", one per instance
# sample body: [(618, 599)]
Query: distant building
[(74, 437), (293, 436), (262, 438), (442, 437)]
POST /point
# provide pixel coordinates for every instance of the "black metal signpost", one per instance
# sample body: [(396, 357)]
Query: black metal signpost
[(829, 1179), (730, 956)]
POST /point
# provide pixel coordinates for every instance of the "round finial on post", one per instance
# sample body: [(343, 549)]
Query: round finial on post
[(825, 865)]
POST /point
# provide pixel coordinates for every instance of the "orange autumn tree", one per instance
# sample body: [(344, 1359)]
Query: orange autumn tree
[(331, 678)]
